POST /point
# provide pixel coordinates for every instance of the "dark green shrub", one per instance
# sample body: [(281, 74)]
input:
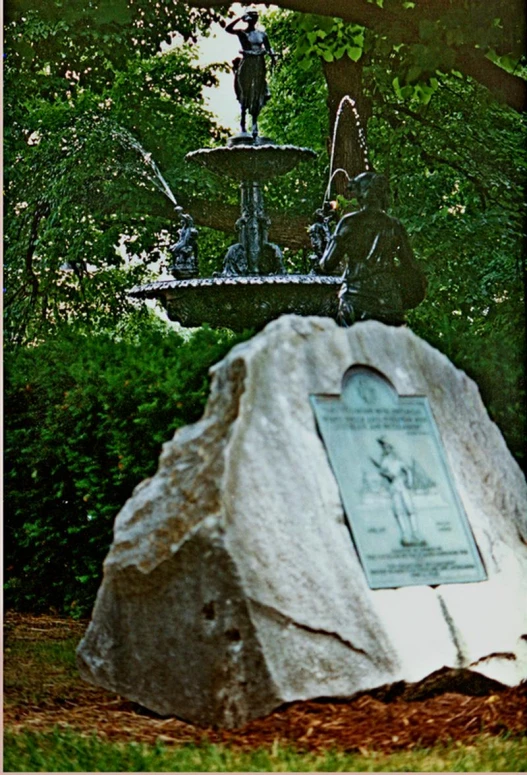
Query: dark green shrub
[(85, 420), (493, 355)]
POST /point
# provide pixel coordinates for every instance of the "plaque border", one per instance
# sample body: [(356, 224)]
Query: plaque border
[(480, 571)]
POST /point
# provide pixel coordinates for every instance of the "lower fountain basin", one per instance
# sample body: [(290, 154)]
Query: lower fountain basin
[(241, 302)]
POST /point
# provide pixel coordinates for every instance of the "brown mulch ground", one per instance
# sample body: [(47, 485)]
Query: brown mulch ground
[(40, 697)]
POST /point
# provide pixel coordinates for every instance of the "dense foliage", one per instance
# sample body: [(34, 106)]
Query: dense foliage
[(458, 168), (57, 46), (90, 104), (85, 420), (482, 39)]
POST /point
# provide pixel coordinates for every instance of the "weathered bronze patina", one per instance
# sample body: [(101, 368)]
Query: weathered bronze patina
[(241, 302), (250, 82), (184, 252), (381, 279), (403, 509), (250, 165), (320, 233)]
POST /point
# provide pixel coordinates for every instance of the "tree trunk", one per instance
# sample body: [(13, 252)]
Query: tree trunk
[(344, 78)]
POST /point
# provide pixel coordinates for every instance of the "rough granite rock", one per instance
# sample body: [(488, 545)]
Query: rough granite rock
[(232, 584)]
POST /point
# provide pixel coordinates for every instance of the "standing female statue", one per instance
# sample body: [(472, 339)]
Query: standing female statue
[(250, 82)]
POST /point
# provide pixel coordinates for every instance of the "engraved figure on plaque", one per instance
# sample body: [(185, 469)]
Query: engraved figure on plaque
[(397, 476), (402, 507)]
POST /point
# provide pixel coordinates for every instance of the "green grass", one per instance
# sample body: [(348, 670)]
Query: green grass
[(63, 750), (35, 670), (40, 670), (47, 653)]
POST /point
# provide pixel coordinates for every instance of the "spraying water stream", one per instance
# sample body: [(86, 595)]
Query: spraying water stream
[(346, 100), (129, 141)]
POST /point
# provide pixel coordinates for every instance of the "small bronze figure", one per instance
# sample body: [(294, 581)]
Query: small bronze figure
[(185, 251), (250, 82), (320, 234), (382, 278)]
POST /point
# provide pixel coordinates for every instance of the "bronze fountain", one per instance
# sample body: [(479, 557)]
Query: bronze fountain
[(253, 287)]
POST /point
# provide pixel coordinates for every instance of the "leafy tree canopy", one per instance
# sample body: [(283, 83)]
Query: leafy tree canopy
[(87, 111), (59, 44), (457, 166)]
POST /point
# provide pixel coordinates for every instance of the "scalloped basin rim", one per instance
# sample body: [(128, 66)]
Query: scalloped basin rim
[(230, 280), (243, 301), (241, 148), (246, 162)]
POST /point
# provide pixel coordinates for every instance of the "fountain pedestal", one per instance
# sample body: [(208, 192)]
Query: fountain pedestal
[(250, 164), (253, 254)]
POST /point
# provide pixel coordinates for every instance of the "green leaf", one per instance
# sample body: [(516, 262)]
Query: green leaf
[(326, 24), (354, 53), (427, 30), (413, 74), (304, 64), (424, 93)]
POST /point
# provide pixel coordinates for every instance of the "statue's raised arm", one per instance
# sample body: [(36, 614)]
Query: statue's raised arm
[(231, 27), (250, 83)]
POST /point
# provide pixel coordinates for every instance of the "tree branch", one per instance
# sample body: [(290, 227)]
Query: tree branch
[(41, 211), (505, 86), (436, 159), (356, 11)]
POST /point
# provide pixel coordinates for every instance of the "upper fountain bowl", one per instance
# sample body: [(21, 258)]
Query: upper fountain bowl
[(252, 161)]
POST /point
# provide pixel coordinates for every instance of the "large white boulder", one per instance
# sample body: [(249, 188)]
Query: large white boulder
[(232, 584)]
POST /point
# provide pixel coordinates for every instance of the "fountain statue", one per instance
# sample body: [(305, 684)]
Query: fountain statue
[(320, 233), (253, 287), (250, 81), (381, 279), (185, 250)]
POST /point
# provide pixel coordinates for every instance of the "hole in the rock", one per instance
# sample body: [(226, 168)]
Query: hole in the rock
[(208, 611), (233, 635)]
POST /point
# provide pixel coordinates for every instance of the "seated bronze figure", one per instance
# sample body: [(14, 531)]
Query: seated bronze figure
[(184, 252), (381, 278)]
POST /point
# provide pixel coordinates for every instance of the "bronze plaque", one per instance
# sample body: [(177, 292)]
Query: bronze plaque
[(405, 516)]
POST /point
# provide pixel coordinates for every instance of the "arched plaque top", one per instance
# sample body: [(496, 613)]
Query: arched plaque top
[(364, 386)]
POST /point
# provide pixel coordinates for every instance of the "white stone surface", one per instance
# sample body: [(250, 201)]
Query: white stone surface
[(232, 584)]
